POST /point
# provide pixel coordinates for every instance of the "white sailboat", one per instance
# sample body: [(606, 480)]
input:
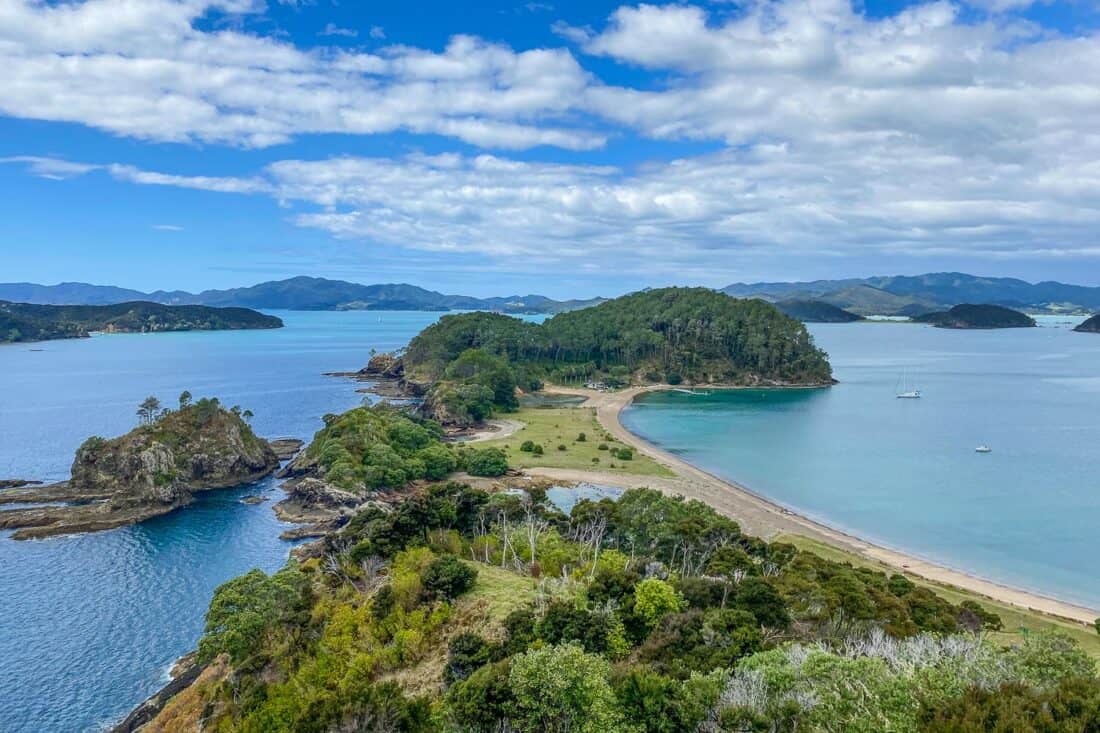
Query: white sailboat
[(983, 449), (906, 391)]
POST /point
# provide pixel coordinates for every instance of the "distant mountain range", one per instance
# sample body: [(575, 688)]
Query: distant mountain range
[(297, 293), (891, 296), (918, 294)]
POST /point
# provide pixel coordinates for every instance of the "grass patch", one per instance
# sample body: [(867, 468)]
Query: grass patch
[(551, 427), (502, 590), (1017, 621)]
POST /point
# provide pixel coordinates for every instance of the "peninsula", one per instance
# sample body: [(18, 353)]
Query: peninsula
[(152, 470), (468, 365), (969, 316), (29, 322)]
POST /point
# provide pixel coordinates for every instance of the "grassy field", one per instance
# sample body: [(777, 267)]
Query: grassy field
[(561, 426), (1016, 621)]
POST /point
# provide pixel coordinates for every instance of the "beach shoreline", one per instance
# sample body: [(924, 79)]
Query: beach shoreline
[(765, 518)]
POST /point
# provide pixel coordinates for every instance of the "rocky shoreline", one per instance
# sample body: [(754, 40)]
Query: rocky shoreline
[(153, 470)]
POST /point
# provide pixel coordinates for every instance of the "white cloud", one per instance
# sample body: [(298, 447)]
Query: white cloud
[(708, 214), (142, 68), (377, 32), (53, 168), (331, 29), (168, 227)]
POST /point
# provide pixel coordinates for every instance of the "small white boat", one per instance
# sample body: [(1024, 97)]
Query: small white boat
[(906, 391), (983, 449)]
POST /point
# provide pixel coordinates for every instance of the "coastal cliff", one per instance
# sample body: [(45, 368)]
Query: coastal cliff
[(977, 317), (152, 470)]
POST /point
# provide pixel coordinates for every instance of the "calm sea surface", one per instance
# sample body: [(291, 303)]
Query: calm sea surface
[(904, 473), (90, 624)]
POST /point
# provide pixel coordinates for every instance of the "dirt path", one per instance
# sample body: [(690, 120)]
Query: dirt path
[(503, 429), (766, 519)]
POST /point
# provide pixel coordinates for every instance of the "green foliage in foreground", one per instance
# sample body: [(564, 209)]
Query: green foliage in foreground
[(646, 615)]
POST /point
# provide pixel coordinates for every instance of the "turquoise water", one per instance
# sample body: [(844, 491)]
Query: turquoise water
[(903, 473), (90, 624)]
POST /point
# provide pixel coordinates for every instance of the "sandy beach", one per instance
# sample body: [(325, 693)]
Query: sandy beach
[(763, 518)]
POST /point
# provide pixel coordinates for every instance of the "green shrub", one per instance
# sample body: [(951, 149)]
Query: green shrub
[(486, 462), (537, 450), (601, 446), (447, 577), (561, 446), (581, 438), (528, 446)]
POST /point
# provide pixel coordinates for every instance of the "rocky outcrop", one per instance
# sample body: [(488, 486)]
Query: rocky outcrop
[(17, 483), (151, 470)]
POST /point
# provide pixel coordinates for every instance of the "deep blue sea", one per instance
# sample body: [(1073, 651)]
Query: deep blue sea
[(90, 624), (904, 473)]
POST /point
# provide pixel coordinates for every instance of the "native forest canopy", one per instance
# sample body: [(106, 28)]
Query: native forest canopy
[(671, 334), (471, 612)]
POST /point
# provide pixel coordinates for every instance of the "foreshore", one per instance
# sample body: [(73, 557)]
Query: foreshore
[(766, 519)]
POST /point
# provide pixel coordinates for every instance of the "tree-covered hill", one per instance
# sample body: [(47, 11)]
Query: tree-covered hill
[(969, 316), (466, 365), (816, 311), (29, 322), (671, 334)]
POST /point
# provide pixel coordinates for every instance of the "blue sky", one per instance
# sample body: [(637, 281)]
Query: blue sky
[(570, 149)]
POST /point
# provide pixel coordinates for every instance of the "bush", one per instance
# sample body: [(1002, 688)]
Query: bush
[(528, 446), (465, 654), (537, 450), (581, 438), (486, 462), (626, 454), (447, 577), (561, 446), (603, 446)]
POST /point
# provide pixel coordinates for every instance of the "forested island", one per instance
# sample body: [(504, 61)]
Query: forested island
[(969, 316), (1092, 325), (28, 322), (468, 364), (816, 311), (154, 469)]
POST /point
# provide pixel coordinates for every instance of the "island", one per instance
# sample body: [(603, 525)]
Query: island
[(154, 469), (464, 366), (970, 316), (1092, 325), (816, 311), (21, 322)]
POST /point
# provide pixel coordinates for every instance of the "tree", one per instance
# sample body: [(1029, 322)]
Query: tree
[(447, 577), (486, 462), (653, 598), (244, 608), (561, 689), (148, 410), (185, 399)]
